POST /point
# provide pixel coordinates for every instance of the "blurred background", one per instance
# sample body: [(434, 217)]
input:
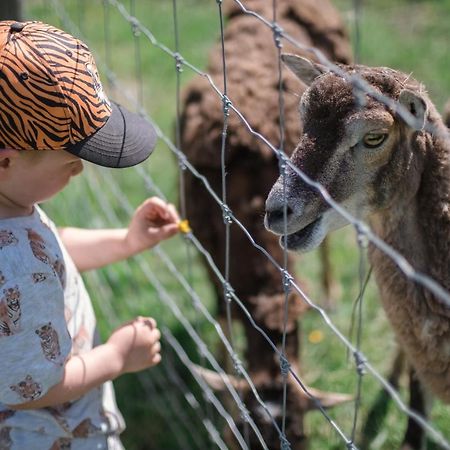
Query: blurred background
[(164, 407)]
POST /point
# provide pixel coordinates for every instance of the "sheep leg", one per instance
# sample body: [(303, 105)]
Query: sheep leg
[(415, 436), (379, 409)]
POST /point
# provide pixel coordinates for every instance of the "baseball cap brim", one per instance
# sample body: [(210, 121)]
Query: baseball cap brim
[(126, 139)]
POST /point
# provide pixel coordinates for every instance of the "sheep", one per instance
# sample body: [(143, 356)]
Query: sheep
[(394, 176)]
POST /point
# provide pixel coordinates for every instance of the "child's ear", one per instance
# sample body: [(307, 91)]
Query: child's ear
[(6, 156)]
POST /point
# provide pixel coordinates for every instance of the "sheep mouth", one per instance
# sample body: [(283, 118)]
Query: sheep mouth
[(304, 239)]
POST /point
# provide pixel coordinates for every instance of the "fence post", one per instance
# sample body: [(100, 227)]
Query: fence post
[(11, 9)]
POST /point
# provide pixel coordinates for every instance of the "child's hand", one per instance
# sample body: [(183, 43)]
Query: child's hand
[(153, 221), (136, 344)]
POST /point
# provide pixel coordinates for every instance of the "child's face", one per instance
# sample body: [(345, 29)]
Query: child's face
[(35, 176)]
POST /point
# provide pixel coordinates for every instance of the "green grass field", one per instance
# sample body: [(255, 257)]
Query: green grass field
[(408, 35)]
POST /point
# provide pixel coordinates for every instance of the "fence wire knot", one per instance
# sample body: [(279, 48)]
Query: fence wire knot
[(226, 213), (226, 105), (285, 366), (135, 26), (179, 61), (282, 163), (360, 363), (277, 33), (361, 236), (287, 280), (228, 292), (182, 163), (237, 365), (245, 414), (285, 445)]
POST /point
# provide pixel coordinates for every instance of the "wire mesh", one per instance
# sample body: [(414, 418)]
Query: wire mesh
[(363, 231)]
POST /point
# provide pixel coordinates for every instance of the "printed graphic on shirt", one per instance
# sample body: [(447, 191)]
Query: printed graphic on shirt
[(5, 438), (10, 311), (60, 270), (57, 413), (38, 248), (28, 389), (40, 252), (50, 343), (84, 429), (61, 444), (47, 341), (38, 277), (7, 238)]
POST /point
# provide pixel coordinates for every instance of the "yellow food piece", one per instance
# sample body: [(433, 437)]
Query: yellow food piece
[(183, 226)]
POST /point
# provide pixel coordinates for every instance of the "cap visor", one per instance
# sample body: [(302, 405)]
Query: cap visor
[(125, 140)]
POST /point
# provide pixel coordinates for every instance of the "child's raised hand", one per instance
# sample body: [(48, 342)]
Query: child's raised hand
[(136, 344), (153, 221)]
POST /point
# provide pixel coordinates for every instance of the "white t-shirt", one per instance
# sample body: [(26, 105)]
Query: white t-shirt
[(46, 316)]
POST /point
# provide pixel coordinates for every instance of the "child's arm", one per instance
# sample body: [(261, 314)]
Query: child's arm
[(132, 347), (153, 221)]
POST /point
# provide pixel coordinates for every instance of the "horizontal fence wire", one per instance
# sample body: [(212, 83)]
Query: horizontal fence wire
[(362, 229)]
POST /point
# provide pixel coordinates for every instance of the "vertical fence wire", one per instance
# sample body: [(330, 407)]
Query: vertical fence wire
[(107, 39), (182, 182), (137, 58), (227, 289), (225, 210), (284, 363), (362, 248)]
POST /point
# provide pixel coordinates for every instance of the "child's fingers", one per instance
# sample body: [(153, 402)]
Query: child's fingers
[(155, 207), (158, 209), (156, 359), (156, 348), (165, 231), (173, 212)]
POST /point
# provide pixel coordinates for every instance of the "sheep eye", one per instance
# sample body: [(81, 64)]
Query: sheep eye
[(373, 140)]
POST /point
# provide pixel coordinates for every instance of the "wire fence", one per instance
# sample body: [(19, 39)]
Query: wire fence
[(99, 181)]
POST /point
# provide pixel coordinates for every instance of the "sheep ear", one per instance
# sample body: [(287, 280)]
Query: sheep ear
[(416, 105), (303, 68)]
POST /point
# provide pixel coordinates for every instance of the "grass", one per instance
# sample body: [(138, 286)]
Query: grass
[(408, 35)]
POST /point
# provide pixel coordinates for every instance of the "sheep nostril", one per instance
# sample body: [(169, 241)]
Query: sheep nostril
[(277, 215)]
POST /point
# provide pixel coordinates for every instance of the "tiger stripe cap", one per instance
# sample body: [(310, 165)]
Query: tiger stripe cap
[(51, 98)]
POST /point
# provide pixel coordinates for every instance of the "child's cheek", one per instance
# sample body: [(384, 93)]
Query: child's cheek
[(77, 168)]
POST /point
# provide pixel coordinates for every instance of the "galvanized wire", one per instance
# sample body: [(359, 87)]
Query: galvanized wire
[(284, 363), (360, 85), (227, 298), (361, 227)]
